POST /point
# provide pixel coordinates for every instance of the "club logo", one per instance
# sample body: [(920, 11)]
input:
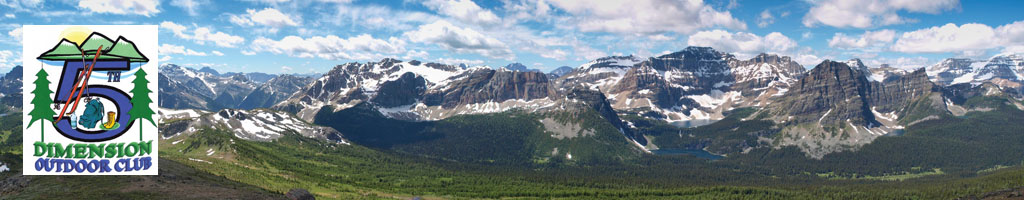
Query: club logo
[(89, 100)]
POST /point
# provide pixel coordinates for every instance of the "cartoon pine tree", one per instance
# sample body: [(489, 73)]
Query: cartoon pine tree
[(140, 100), (41, 102)]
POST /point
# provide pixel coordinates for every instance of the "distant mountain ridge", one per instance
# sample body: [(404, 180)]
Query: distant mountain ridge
[(187, 88), (694, 86), (10, 88)]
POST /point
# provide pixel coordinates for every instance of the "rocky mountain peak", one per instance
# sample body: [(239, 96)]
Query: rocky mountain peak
[(210, 70), (611, 62), (519, 67), (10, 87), (560, 71), (16, 71), (857, 64)]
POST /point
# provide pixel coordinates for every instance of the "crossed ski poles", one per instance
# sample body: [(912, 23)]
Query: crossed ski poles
[(84, 80)]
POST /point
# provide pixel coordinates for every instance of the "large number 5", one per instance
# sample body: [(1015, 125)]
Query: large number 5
[(121, 100)]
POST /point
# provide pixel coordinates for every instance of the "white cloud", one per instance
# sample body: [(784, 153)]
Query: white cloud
[(868, 39), (375, 17), (16, 34), (1012, 33), (10, 15), (765, 19), (175, 49), (535, 10), (646, 16), (456, 61), (190, 6), (556, 54), (286, 69), (24, 5), (947, 38), (906, 63), (743, 44), (807, 59), (8, 59), (210, 65), (869, 13), (122, 7), (362, 47), (587, 52), (967, 40), (267, 17), (1019, 49), (464, 10), (414, 54), (201, 35), (217, 53), (460, 40), (660, 37)]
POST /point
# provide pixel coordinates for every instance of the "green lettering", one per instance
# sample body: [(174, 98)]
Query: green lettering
[(80, 150), (120, 150), (59, 151), (40, 148), (145, 148), (131, 149), (95, 150), (111, 151)]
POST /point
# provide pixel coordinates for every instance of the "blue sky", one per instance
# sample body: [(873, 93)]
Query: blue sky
[(281, 36)]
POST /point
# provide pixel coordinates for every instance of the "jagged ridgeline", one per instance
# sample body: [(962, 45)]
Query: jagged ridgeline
[(834, 107)]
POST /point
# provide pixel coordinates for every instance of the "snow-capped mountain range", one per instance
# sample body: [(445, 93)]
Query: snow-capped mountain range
[(187, 88), (694, 86), (698, 83), (257, 125), (1006, 70)]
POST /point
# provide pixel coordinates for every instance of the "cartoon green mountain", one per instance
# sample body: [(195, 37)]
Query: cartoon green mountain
[(121, 49)]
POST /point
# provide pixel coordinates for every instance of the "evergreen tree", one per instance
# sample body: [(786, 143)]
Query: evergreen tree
[(41, 102), (140, 100)]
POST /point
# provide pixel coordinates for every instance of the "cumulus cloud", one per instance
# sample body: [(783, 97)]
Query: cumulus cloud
[(181, 50), (868, 39), (535, 10), (414, 54), (16, 34), (743, 44), (362, 47), (869, 13), (947, 38), (135, 7), (456, 61), (202, 35), (646, 16), (1012, 33), (906, 63), (9, 59), (267, 17), (460, 40), (464, 10), (807, 59)]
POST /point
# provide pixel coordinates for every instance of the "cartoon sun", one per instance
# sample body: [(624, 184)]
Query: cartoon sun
[(76, 34)]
